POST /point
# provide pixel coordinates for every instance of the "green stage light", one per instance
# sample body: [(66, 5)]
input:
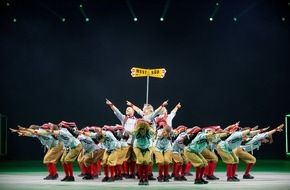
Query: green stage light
[(63, 19), (87, 19), (283, 19), (8, 4), (217, 4), (14, 20), (211, 19), (165, 10), (131, 10), (81, 6), (51, 11), (235, 19)]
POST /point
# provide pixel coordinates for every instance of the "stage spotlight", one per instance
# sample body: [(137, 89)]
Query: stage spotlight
[(131, 10), (14, 20), (216, 8), (165, 10), (283, 19), (51, 11), (235, 19), (8, 4), (63, 19), (81, 7)]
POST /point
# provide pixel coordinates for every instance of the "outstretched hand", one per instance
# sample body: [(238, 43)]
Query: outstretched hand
[(13, 130), (279, 128), (108, 102), (165, 103), (255, 128), (129, 103), (266, 128), (21, 128)]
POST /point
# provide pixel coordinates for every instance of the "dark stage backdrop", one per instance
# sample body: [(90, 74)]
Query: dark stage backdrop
[(221, 71)]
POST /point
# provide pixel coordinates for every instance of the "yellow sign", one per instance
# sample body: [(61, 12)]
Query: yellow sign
[(157, 73), (139, 72)]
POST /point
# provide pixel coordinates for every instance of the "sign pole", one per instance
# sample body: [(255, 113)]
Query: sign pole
[(147, 90), (140, 72)]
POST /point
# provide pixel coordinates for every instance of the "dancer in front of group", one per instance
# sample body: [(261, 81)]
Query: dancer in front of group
[(143, 133), (149, 114)]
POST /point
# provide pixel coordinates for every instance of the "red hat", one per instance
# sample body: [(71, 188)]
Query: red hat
[(213, 128), (160, 121), (46, 126), (181, 128), (194, 130), (108, 128), (67, 124), (233, 128)]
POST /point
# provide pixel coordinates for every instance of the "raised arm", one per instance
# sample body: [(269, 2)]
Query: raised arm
[(165, 103), (254, 132), (112, 106), (21, 132), (132, 105), (279, 129), (178, 106)]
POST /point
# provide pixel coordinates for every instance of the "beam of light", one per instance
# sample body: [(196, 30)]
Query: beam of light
[(51, 11), (84, 13), (217, 6), (165, 10), (131, 10), (253, 5)]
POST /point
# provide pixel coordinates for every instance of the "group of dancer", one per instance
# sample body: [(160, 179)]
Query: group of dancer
[(129, 149)]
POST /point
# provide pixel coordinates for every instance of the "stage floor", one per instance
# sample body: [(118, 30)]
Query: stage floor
[(34, 181)]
